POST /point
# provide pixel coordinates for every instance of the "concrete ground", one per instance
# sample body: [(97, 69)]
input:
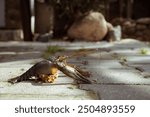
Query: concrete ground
[(121, 71)]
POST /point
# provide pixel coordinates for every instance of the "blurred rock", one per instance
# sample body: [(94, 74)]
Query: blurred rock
[(118, 21), (90, 27), (141, 26), (138, 29), (143, 21)]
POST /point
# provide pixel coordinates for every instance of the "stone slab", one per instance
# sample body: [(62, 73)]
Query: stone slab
[(114, 81), (126, 52), (119, 92), (138, 59), (45, 91), (128, 44), (132, 52), (117, 76), (19, 63), (94, 63)]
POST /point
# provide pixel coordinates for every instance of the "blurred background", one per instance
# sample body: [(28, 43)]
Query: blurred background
[(26, 20)]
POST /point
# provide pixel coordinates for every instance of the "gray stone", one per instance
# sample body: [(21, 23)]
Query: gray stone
[(125, 52), (117, 76), (103, 64), (143, 67), (127, 44), (120, 92), (101, 55), (45, 91), (113, 80), (138, 59)]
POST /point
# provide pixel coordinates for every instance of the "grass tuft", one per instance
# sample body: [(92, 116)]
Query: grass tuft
[(143, 51), (51, 50)]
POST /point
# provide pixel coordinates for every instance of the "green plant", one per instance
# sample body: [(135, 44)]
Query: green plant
[(143, 51), (52, 50)]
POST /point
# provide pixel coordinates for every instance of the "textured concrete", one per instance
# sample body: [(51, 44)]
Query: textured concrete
[(16, 59), (119, 70), (43, 91), (120, 92)]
